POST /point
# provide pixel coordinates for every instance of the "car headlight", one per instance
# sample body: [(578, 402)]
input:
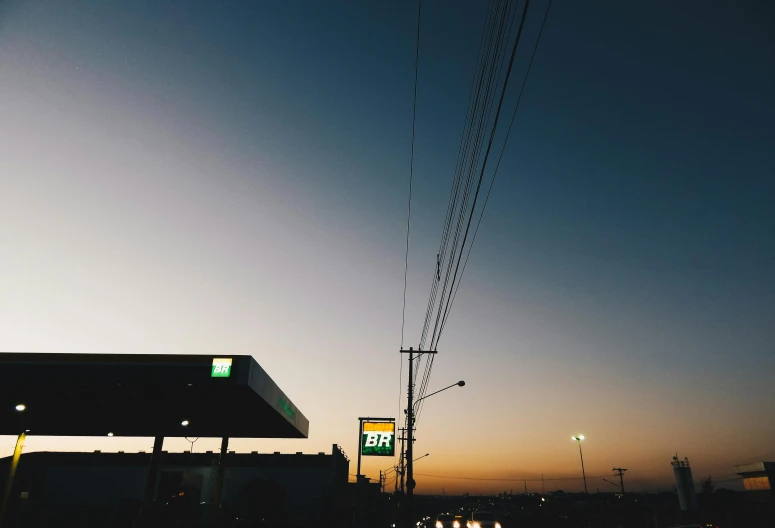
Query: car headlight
[(497, 525), (439, 525), (455, 524)]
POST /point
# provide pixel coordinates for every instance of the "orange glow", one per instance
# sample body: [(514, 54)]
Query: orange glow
[(387, 427)]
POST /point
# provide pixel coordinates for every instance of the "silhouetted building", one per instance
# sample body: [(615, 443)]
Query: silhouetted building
[(684, 484), (292, 489), (758, 480)]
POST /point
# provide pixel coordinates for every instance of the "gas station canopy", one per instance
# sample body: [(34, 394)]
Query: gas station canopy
[(143, 395)]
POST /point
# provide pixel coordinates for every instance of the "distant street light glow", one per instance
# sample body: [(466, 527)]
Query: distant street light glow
[(184, 423), (110, 434), (578, 439), (21, 407)]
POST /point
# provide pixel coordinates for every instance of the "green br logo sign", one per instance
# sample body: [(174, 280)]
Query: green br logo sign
[(378, 439), (221, 368)]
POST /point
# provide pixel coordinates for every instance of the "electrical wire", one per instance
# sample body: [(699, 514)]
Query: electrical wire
[(490, 67), (409, 207), (464, 141), (455, 254), (474, 163), (411, 164), (497, 166), (489, 146), (514, 479), (480, 105), (473, 112)]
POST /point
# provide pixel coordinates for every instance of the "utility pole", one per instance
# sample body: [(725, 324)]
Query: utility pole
[(409, 451), (620, 472), (525, 487), (410, 429), (543, 489)]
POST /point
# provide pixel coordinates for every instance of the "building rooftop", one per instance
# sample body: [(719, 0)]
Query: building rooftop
[(103, 459), (755, 467)]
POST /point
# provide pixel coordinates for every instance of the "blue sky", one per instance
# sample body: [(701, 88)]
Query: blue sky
[(184, 177)]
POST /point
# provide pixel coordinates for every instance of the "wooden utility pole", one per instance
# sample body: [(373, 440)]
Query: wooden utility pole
[(620, 472), (409, 451)]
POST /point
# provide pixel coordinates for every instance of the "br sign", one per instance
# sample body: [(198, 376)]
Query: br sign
[(221, 368), (378, 439)]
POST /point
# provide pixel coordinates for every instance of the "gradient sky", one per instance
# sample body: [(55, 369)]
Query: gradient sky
[(231, 178)]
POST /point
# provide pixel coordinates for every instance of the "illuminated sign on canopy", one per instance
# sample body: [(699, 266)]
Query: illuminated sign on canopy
[(221, 368), (378, 439)]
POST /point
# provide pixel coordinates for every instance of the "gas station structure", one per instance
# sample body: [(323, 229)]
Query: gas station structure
[(143, 395)]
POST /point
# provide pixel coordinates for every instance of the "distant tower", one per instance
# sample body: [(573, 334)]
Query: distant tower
[(684, 483)]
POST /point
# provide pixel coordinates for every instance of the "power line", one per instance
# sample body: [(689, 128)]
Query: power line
[(486, 156), (465, 139), (411, 165), (474, 162), (483, 106), (727, 480), (495, 68), (514, 479), (500, 157), (409, 207), (491, 57)]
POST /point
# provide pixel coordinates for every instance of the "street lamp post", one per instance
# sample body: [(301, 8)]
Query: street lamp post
[(410, 427), (460, 383), (579, 438)]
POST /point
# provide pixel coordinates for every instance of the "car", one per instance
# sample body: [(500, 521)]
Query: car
[(483, 519), (447, 520)]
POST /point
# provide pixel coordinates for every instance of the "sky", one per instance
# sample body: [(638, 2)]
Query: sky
[(232, 178)]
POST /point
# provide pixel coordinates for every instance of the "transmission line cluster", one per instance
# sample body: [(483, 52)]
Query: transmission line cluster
[(502, 30)]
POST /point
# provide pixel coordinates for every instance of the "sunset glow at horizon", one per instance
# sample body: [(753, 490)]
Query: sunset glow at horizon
[(232, 178)]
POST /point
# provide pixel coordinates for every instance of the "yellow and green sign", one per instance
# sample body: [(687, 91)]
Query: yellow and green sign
[(378, 439), (221, 368)]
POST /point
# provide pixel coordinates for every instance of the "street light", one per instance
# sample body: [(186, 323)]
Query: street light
[(460, 383), (579, 438), (184, 423), (20, 407), (410, 431)]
